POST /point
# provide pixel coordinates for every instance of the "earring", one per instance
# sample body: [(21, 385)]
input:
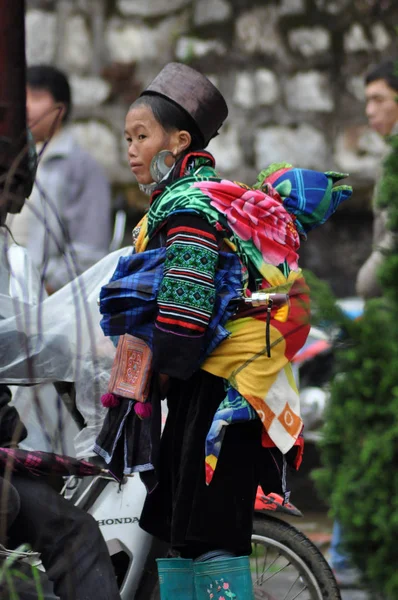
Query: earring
[(158, 168)]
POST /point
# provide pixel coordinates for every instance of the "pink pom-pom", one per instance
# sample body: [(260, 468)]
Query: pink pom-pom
[(143, 411), (110, 400)]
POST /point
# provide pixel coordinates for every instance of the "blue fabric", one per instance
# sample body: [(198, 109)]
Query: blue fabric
[(128, 302), (233, 409), (228, 285), (310, 195)]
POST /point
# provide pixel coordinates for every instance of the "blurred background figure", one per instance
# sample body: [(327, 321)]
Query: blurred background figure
[(66, 223), (382, 113), (381, 90), (65, 226)]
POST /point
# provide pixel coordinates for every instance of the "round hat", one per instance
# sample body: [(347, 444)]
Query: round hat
[(193, 92)]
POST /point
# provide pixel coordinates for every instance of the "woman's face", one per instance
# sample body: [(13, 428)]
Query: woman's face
[(145, 138)]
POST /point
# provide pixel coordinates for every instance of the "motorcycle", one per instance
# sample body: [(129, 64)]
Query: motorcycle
[(284, 562)]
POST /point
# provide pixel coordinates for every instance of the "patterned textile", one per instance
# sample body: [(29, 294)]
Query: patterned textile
[(140, 278), (128, 302), (266, 383), (309, 195), (261, 228), (187, 294), (262, 233), (233, 409), (131, 370), (42, 463)]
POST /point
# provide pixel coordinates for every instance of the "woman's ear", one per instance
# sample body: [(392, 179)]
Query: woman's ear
[(181, 142)]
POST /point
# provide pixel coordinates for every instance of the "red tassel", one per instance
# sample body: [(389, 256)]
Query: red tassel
[(110, 400), (143, 410)]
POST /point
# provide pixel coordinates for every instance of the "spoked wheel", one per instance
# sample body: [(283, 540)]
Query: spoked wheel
[(286, 565)]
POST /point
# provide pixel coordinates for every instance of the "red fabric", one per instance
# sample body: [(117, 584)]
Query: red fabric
[(143, 410), (109, 400), (257, 217)]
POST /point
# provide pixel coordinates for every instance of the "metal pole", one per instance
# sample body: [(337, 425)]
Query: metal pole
[(15, 177)]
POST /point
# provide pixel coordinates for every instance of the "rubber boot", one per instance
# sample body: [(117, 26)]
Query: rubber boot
[(176, 579), (228, 578)]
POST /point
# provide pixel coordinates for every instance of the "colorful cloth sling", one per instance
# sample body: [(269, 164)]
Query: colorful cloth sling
[(261, 227)]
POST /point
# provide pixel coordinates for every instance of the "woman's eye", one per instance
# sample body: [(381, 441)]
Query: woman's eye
[(128, 140), (141, 136)]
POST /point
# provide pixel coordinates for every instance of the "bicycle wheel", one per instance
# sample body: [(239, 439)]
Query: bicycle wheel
[(286, 565)]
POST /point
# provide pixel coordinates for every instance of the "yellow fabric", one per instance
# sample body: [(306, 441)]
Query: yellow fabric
[(267, 383)]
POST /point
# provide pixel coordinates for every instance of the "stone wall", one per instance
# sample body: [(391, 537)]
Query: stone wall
[(291, 71)]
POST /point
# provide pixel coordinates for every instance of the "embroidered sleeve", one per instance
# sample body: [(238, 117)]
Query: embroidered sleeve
[(187, 295)]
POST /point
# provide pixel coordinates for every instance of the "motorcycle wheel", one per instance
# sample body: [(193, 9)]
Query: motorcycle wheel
[(286, 564)]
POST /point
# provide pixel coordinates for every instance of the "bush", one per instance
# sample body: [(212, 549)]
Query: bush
[(359, 449)]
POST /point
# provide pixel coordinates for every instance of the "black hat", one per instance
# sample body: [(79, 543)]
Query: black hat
[(193, 92)]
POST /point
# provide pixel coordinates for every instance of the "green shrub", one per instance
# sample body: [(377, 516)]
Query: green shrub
[(359, 450)]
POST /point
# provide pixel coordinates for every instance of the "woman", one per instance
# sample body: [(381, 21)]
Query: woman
[(221, 355)]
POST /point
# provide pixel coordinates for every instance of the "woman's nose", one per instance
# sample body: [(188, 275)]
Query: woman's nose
[(132, 152)]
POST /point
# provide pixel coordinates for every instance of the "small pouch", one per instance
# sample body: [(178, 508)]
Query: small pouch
[(132, 369)]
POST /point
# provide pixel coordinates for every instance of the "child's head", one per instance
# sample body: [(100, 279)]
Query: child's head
[(180, 111)]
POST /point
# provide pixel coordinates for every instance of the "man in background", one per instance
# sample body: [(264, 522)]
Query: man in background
[(381, 91), (66, 222), (382, 112)]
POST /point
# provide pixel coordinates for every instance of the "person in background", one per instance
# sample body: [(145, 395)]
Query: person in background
[(381, 90), (66, 223), (382, 113), (72, 548)]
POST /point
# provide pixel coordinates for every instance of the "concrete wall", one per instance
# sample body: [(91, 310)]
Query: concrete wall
[(291, 71)]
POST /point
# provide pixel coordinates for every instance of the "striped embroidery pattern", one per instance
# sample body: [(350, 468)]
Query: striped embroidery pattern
[(187, 293)]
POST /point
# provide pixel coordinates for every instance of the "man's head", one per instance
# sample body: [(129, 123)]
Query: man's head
[(48, 100), (382, 97)]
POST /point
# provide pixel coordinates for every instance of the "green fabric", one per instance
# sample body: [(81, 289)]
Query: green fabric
[(187, 294), (176, 579), (182, 196), (224, 579)]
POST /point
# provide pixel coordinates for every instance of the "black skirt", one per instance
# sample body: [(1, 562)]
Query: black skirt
[(183, 511)]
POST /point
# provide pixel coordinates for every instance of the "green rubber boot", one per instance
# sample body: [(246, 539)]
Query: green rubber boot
[(176, 579), (228, 579)]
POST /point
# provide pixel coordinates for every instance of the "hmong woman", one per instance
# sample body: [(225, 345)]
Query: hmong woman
[(214, 289)]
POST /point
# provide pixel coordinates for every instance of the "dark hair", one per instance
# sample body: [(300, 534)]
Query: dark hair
[(47, 77), (387, 70), (171, 117)]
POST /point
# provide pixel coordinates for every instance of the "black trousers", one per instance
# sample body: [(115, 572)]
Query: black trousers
[(182, 510), (72, 548)]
